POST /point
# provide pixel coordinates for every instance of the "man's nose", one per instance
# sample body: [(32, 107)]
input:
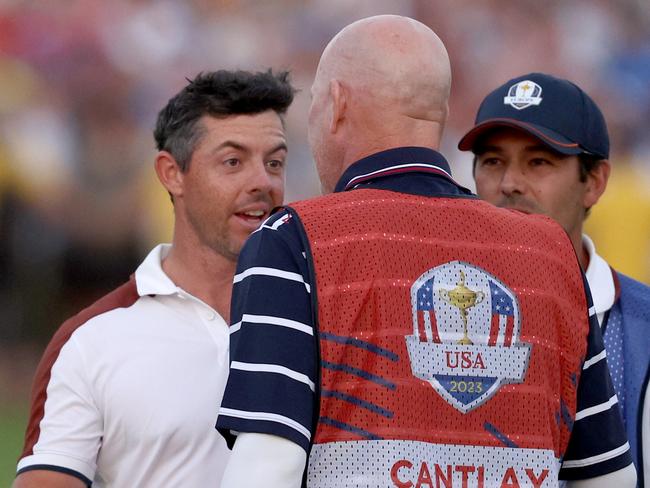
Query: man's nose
[(513, 180), (259, 178)]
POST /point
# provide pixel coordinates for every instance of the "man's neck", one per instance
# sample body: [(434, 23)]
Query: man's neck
[(203, 273), (583, 257), (581, 251), (403, 131)]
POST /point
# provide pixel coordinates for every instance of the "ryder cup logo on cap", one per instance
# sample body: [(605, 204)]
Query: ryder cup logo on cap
[(523, 95), (465, 342)]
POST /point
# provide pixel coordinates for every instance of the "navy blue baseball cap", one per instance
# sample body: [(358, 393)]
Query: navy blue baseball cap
[(554, 110)]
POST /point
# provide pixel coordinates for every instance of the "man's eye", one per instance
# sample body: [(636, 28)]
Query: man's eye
[(539, 162), (275, 163), (232, 162), (489, 162)]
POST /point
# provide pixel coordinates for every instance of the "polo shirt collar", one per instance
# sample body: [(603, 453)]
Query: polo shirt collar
[(394, 161), (150, 278), (600, 278)]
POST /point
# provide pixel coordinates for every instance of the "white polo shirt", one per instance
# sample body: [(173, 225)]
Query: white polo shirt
[(600, 279), (129, 395)]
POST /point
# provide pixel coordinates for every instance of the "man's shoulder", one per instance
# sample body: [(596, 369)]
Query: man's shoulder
[(278, 243), (630, 283), (322, 203), (532, 230), (502, 220), (635, 292), (123, 296), (283, 225), (521, 219), (280, 217)]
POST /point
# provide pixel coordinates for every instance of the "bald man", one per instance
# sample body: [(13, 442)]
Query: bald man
[(398, 331)]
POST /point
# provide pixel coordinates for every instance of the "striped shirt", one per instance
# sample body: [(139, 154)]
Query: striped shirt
[(273, 382)]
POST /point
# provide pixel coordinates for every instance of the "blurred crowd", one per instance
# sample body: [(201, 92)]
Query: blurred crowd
[(81, 82)]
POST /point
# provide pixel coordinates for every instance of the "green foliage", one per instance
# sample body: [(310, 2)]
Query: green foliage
[(13, 419)]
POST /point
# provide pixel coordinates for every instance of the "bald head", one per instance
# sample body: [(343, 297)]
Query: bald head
[(381, 82), (392, 58)]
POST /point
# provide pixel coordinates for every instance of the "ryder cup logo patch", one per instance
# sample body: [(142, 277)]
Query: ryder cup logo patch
[(465, 341), (523, 94)]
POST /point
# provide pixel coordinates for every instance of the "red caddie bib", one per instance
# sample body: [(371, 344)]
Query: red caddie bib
[(451, 335)]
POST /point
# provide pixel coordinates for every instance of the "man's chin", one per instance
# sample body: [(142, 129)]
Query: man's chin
[(228, 249)]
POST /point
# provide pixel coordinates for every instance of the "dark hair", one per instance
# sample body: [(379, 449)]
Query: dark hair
[(218, 94), (588, 163)]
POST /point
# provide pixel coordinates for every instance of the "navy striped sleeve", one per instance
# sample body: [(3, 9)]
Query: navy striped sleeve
[(598, 443), (272, 381)]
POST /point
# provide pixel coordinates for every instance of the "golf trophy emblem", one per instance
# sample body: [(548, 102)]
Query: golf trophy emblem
[(462, 298), (466, 334)]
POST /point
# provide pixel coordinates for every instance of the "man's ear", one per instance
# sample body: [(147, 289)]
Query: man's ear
[(169, 173), (596, 183), (339, 97)]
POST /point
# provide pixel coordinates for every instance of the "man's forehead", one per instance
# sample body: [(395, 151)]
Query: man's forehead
[(263, 123), (264, 130)]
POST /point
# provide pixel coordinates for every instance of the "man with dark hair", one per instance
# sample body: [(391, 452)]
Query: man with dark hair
[(398, 331), (126, 390), (541, 146)]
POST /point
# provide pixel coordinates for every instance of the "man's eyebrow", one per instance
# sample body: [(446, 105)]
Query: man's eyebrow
[(280, 147), (230, 144)]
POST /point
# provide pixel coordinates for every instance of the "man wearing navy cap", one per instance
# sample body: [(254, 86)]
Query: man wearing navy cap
[(541, 146)]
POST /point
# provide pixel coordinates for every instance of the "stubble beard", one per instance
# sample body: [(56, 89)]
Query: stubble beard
[(216, 238)]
